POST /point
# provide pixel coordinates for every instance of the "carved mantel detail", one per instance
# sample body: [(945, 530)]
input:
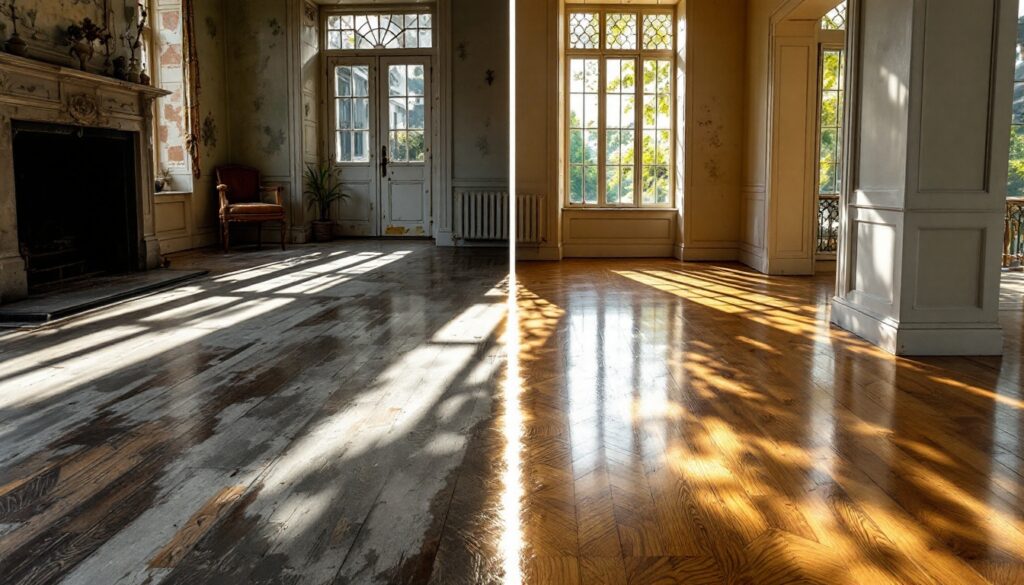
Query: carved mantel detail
[(84, 109), (32, 91)]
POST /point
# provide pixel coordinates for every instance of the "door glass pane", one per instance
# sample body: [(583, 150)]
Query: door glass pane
[(416, 113), (406, 113), (361, 81), (398, 113), (361, 146), (344, 76), (415, 77), (396, 80), (361, 113), (352, 113)]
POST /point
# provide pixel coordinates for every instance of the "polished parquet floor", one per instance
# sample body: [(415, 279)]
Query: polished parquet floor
[(703, 424), (355, 413)]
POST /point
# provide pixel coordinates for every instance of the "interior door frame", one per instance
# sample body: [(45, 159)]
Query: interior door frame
[(329, 116), (383, 126), (438, 56)]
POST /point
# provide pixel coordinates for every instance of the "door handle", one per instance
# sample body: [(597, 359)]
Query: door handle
[(383, 161)]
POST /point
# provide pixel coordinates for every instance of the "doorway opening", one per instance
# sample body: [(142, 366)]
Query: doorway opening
[(379, 139), (831, 115)]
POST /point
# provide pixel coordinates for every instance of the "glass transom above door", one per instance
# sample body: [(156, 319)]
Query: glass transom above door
[(350, 32)]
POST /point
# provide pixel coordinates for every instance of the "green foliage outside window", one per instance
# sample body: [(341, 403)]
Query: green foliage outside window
[(1015, 180), (620, 143)]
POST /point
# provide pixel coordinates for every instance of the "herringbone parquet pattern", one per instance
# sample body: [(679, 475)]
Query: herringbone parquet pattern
[(704, 424)]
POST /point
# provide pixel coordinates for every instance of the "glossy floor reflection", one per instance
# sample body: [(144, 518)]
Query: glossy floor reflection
[(703, 424), (351, 414)]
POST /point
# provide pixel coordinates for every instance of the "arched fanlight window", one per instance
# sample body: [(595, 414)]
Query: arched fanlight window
[(349, 32), (835, 19)]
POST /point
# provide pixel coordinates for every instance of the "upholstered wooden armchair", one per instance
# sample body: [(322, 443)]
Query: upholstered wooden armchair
[(240, 191)]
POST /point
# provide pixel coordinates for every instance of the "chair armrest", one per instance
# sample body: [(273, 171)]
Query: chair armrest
[(222, 194), (275, 190)]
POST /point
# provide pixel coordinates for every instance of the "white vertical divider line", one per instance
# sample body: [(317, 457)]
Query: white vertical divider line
[(512, 537)]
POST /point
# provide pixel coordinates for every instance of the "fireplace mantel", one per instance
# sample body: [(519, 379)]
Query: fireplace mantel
[(33, 91)]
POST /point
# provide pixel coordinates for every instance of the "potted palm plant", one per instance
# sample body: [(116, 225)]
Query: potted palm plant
[(322, 189)]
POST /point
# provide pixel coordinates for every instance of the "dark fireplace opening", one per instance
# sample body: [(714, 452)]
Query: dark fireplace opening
[(77, 207)]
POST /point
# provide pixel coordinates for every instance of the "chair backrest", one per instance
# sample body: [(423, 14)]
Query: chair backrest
[(243, 183)]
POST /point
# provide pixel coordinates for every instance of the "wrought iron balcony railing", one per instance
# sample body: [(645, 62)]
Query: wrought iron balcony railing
[(828, 224), (1013, 234)]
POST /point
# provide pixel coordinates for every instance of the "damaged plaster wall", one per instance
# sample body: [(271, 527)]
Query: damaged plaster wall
[(213, 142), (481, 115), (258, 96), (715, 60), (263, 97), (43, 23)]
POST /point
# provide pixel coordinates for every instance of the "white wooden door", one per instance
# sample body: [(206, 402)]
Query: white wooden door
[(379, 117), (405, 146), (352, 119)]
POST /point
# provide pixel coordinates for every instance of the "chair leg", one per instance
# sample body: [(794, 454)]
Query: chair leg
[(226, 236), (284, 230), (259, 235)]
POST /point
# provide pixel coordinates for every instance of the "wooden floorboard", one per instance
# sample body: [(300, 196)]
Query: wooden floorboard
[(343, 414)]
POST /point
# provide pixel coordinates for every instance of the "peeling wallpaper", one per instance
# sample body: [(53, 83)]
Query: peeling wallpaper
[(257, 97), (480, 126)]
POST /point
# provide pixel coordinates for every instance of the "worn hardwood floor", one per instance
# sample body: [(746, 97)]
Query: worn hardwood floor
[(350, 414), (298, 417)]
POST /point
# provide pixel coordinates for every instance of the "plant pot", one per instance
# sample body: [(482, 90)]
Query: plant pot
[(323, 231), (16, 45), (159, 185)]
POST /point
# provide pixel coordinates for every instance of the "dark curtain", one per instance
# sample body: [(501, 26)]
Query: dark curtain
[(192, 83)]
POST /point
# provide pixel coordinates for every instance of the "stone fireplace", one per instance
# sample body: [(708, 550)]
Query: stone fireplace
[(76, 175)]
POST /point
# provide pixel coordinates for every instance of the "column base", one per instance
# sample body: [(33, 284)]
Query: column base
[(919, 339), (13, 279)]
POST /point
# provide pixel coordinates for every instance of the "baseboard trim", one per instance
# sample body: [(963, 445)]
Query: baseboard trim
[(618, 251), (698, 254), (919, 339), (538, 253), (752, 259)]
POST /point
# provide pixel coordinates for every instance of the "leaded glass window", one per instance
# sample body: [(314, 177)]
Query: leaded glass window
[(620, 96), (835, 19), (348, 32), (584, 30)]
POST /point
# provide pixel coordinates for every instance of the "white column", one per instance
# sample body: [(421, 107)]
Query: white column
[(929, 107)]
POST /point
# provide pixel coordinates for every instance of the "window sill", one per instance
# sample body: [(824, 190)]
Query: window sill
[(171, 193)]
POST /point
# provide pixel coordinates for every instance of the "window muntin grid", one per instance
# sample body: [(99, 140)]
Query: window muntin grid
[(584, 30), (620, 130), (352, 113), (584, 82), (835, 19), (406, 120), (351, 32), (656, 153), (618, 170)]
